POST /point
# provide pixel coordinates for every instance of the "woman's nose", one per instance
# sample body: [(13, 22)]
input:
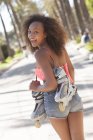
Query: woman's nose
[(31, 35)]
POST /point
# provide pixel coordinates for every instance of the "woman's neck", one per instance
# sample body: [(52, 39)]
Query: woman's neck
[(43, 45)]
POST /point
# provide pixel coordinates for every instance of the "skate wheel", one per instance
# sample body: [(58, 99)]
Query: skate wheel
[(37, 124), (61, 107)]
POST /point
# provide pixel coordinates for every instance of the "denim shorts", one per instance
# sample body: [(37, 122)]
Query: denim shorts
[(52, 107)]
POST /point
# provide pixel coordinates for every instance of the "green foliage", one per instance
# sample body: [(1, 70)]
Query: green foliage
[(8, 59), (89, 46), (4, 64), (4, 49), (17, 50), (18, 54), (26, 7), (48, 6), (78, 39), (89, 4)]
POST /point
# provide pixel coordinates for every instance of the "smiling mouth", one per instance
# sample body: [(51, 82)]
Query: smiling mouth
[(33, 41)]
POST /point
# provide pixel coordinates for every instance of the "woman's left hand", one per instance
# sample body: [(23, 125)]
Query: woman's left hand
[(34, 85)]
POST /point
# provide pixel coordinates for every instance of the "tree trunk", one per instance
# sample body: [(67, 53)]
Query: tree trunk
[(16, 20), (6, 36), (79, 16), (87, 19), (1, 55), (13, 26), (59, 11), (15, 16), (71, 18), (65, 19), (56, 15)]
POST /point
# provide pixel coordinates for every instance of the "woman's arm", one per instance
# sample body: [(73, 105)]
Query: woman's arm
[(70, 66), (43, 60)]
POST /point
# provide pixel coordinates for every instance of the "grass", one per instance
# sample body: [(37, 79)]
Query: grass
[(9, 60), (18, 55), (89, 46), (3, 66)]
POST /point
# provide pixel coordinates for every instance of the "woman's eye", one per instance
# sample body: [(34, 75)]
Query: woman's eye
[(36, 32), (29, 32)]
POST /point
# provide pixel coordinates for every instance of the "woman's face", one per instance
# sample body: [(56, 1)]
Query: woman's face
[(36, 34)]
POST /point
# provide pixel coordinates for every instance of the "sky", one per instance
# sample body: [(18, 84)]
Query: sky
[(71, 2), (7, 20)]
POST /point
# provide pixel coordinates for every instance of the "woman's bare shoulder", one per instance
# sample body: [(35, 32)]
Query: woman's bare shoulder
[(41, 54)]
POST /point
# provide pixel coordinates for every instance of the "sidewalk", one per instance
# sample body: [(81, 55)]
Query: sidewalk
[(17, 104), (15, 110), (83, 50)]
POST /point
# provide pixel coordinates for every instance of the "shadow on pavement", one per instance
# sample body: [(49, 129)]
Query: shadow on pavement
[(26, 123), (88, 62), (83, 86), (14, 91), (83, 63), (90, 134), (23, 70), (88, 101), (78, 66), (88, 111)]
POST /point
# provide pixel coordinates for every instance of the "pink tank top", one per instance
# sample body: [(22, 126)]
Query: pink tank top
[(65, 67), (41, 76)]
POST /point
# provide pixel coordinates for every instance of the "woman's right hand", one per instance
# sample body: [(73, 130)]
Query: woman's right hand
[(33, 85)]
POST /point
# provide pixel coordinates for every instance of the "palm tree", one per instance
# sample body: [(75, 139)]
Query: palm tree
[(84, 10), (22, 9), (71, 18), (16, 20), (79, 16), (13, 23), (87, 19), (1, 55), (59, 10), (64, 17), (56, 14), (15, 15), (6, 36)]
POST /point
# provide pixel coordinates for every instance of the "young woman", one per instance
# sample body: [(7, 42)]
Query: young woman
[(47, 40)]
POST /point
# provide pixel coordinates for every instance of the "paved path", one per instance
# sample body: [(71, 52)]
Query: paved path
[(16, 103)]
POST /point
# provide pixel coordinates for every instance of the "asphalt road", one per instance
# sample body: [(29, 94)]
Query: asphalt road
[(16, 103)]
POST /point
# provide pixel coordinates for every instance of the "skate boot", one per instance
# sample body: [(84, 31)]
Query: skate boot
[(65, 89), (38, 115)]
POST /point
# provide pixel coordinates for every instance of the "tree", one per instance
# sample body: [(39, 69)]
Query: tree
[(6, 36), (89, 4), (79, 16), (1, 55), (21, 10), (47, 7), (86, 16), (60, 7), (72, 21), (13, 23), (16, 19)]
